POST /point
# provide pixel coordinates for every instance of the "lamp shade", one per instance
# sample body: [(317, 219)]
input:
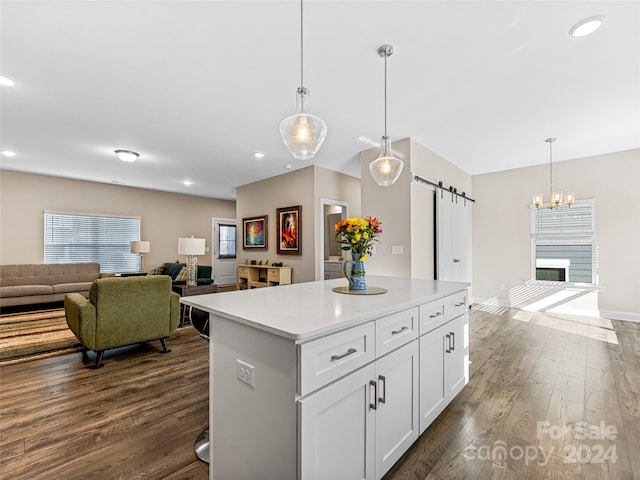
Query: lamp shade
[(140, 246), (191, 246)]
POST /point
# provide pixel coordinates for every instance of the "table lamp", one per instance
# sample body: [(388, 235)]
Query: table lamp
[(141, 247), (191, 247)]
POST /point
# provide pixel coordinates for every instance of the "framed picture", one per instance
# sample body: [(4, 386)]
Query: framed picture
[(254, 233), (289, 230)]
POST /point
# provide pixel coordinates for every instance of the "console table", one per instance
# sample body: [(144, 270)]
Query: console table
[(187, 291), (257, 276)]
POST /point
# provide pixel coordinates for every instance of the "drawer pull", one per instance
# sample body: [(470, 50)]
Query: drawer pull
[(435, 315), (351, 351), (448, 349), (396, 332), (458, 304), (453, 341)]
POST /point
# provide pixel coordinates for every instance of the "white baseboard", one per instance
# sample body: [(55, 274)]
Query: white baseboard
[(611, 314)]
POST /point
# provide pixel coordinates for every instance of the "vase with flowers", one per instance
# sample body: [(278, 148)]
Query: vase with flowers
[(357, 236)]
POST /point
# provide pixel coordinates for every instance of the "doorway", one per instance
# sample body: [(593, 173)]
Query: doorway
[(223, 251), (329, 254)]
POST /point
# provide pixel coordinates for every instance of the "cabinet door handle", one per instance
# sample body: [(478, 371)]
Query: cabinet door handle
[(435, 315), (383, 388), (448, 350), (456, 260), (396, 332), (374, 405), (351, 351), (453, 341), (458, 304)]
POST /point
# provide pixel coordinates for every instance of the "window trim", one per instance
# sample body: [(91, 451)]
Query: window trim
[(564, 239)]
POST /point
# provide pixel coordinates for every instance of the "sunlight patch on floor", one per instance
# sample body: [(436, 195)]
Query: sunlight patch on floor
[(579, 326)]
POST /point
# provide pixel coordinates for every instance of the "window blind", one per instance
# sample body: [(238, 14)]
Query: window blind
[(71, 237), (577, 219)]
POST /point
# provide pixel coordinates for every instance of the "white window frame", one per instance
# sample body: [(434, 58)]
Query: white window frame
[(585, 238)]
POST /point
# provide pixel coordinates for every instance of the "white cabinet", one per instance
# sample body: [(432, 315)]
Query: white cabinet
[(444, 367), (337, 429), (359, 426), (397, 421)]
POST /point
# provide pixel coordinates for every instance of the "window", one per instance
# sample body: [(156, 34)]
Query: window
[(227, 247), (563, 242), (71, 237)]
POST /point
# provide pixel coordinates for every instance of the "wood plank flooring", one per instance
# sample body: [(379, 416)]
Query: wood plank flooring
[(532, 374)]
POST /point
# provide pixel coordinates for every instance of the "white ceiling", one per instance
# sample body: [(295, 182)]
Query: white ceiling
[(197, 86)]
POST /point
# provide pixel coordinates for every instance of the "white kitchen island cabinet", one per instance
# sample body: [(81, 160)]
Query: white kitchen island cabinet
[(306, 383)]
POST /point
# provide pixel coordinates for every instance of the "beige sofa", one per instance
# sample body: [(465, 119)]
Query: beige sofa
[(43, 283)]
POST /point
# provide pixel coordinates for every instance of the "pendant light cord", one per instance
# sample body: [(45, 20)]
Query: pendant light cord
[(550, 168), (301, 45), (385, 94)]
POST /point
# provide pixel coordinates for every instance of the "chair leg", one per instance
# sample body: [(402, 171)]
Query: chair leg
[(164, 345), (99, 355)]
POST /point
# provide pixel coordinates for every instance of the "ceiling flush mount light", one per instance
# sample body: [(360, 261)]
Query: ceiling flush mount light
[(188, 183), (385, 169), (303, 133), (258, 155), (6, 82), (127, 155), (555, 197), (586, 26), (8, 153)]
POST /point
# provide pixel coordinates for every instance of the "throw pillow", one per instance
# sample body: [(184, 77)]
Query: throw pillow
[(157, 270), (172, 269), (182, 276)]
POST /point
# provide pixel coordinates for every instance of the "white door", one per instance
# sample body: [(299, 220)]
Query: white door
[(337, 429), (451, 230), (397, 420), (223, 251)]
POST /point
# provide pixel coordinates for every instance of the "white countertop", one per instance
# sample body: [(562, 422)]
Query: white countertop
[(303, 311)]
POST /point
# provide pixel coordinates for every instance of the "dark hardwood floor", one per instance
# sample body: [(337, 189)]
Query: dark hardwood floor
[(532, 375)]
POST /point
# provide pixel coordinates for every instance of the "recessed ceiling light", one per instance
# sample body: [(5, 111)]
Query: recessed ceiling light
[(127, 155), (258, 154), (7, 153), (188, 183), (586, 27), (6, 82), (288, 166)]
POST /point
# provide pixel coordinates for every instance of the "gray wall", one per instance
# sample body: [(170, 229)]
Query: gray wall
[(164, 216), (502, 225)]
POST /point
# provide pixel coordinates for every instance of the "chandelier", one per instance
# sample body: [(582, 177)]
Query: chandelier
[(556, 198)]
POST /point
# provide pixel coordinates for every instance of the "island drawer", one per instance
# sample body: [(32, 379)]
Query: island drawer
[(327, 359), (431, 315), (395, 330), (455, 305)]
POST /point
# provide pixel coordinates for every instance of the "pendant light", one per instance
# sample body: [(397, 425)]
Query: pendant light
[(385, 169), (555, 197), (303, 133)]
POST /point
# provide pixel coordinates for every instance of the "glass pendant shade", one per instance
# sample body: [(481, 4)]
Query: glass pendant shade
[(570, 198), (303, 133), (386, 169), (538, 200), (556, 199)]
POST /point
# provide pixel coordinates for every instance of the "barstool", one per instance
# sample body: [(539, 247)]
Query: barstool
[(200, 321)]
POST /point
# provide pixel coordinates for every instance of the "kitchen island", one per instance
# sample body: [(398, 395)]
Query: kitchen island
[(308, 383)]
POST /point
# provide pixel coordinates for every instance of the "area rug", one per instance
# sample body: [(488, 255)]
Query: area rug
[(30, 335)]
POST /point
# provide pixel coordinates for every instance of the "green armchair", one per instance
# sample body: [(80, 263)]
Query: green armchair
[(122, 311)]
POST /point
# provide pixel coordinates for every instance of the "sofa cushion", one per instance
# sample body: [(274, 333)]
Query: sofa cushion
[(25, 290), (172, 269), (157, 270), (183, 275), (72, 287)]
